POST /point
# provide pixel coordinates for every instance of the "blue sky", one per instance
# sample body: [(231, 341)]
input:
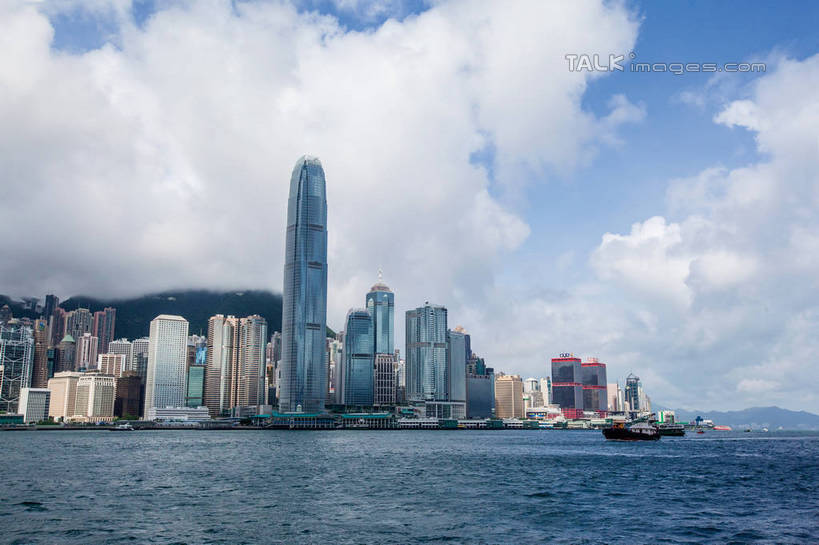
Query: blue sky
[(652, 220)]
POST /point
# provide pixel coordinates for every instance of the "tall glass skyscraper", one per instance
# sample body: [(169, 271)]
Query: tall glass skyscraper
[(358, 358), (304, 301), (381, 306), (427, 362)]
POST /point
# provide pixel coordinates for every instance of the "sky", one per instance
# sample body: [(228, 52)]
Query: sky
[(664, 223)]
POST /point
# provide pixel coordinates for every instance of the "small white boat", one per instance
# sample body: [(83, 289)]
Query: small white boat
[(123, 427)]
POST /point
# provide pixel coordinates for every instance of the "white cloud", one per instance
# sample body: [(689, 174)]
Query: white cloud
[(162, 160)]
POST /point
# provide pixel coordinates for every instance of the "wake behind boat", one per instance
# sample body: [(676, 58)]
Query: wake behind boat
[(640, 431)]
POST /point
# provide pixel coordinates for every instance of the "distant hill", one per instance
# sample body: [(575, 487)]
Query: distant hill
[(134, 315), (756, 417)]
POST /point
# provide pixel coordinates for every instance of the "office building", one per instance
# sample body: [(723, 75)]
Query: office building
[(63, 388), (66, 355), (104, 324), (381, 306), (139, 357), (40, 370), (167, 351), (427, 361), (123, 347), (632, 393), (95, 397), (456, 364), (546, 390), (196, 386), (334, 354), (480, 396), (304, 300), (612, 397), (16, 361), (384, 379), (567, 387), (508, 396), (357, 367), (34, 403), (593, 378), (129, 397), (86, 352), (51, 304), (111, 364)]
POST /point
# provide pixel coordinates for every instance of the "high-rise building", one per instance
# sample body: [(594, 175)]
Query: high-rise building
[(40, 370), (632, 393), (66, 355), (480, 395), (456, 372), (612, 397), (508, 396), (357, 368), (128, 400), (104, 324), (95, 397), (194, 396), (51, 303), (384, 379), (222, 353), (56, 325), (546, 390), (63, 388), (111, 364), (593, 377), (86, 352), (34, 403), (139, 357), (381, 306), (334, 349), (249, 375), (427, 361), (567, 387), (124, 347), (304, 301), (16, 360), (166, 376), (78, 323)]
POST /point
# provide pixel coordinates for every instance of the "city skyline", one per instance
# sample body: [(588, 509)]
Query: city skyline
[(661, 222)]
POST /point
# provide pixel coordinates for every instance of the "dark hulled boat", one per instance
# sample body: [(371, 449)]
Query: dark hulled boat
[(674, 430), (635, 432)]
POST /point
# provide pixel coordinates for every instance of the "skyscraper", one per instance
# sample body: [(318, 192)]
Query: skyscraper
[(509, 396), (357, 369), (567, 388), (167, 354), (427, 364), (456, 372), (79, 322), (124, 347), (381, 306), (139, 357), (249, 377), (86, 355), (104, 324), (222, 351), (593, 377), (40, 370), (16, 358), (633, 388), (63, 388), (304, 301)]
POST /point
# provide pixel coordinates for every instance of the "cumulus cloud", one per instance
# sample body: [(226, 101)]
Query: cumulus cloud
[(161, 159), (730, 276)]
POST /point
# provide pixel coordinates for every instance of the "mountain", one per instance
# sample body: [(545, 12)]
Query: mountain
[(134, 315), (756, 417)]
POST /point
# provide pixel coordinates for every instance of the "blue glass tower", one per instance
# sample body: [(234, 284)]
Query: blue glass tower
[(304, 299), (381, 306), (358, 358)]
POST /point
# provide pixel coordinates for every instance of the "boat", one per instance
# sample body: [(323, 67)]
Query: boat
[(635, 432), (723, 428), (764, 429), (123, 427), (673, 430), (700, 431)]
